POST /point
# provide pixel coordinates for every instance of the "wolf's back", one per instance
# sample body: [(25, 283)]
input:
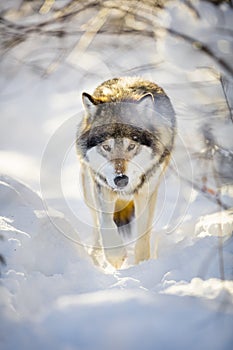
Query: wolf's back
[(132, 90), (129, 89)]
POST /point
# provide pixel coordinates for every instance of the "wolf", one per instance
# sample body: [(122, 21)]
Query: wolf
[(124, 143)]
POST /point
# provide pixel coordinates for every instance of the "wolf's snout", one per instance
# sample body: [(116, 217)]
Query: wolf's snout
[(121, 180)]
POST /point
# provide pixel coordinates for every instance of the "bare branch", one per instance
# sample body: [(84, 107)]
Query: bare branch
[(204, 48), (226, 97)]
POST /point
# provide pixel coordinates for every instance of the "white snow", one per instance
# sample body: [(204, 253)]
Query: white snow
[(52, 296)]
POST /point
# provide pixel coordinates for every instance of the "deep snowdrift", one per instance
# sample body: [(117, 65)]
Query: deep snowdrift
[(53, 296)]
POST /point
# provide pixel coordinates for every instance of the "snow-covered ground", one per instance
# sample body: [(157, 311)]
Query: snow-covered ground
[(51, 294)]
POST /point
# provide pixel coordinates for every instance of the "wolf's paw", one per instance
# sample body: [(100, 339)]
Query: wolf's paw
[(116, 257), (142, 249), (97, 256)]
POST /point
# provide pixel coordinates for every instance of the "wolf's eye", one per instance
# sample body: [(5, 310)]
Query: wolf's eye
[(106, 148), (131, 146)]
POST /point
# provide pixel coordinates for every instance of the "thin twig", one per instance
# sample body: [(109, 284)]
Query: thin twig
[(220, 236), (226, 98), (208, 194)]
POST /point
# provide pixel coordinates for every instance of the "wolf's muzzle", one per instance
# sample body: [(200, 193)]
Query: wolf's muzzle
[(121, 181)]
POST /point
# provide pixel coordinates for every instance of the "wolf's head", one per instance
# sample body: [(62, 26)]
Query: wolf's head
[(125, 142)]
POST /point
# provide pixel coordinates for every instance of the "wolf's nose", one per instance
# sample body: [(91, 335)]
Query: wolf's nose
[(121, 180)]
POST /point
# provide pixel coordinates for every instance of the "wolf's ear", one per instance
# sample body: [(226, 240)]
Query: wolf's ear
[(89, 103), (146, 101)]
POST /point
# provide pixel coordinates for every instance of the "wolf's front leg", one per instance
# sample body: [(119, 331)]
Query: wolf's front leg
[(113, 246), (89, 192), (144, 208), (114, 250)]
